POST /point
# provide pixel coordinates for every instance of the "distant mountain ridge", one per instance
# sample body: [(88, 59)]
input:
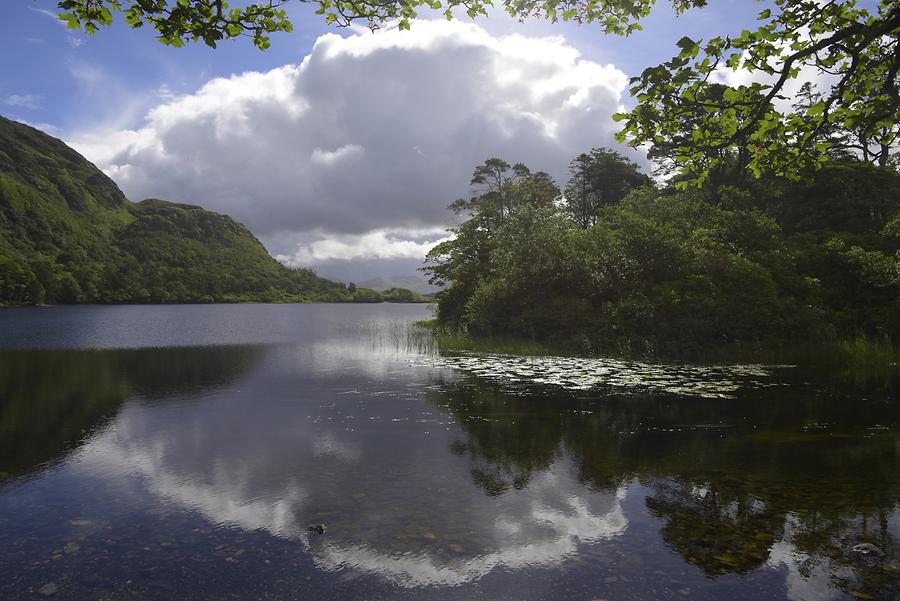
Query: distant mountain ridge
[(410, 282), (69, 235)]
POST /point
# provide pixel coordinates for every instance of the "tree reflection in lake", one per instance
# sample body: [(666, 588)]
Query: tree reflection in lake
[(52, 399), (771, 478), (198, 470)]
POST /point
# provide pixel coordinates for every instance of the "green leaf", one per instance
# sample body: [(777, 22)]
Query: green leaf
[(816, 109), (685, 43)]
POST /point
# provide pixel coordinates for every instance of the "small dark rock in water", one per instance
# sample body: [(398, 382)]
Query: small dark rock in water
[(320, 528), (161, 585), (868, 549), (91, 580), (48, 590)]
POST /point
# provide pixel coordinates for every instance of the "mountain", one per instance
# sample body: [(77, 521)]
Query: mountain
[(410, 282), (69, 235)]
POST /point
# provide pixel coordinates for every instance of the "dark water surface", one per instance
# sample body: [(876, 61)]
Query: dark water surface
[(181, 452)]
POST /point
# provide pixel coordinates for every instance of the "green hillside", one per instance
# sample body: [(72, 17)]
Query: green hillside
[(69, 235)]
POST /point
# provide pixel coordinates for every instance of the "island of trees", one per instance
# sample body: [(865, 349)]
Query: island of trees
[(612, 262)]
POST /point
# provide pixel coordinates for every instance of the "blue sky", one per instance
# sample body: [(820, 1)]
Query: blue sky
[(70, 80), (156, 119)]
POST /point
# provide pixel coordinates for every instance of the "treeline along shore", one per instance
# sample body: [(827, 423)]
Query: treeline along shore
[(611, 262)]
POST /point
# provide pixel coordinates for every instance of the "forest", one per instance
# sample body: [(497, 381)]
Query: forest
[(612, 262)]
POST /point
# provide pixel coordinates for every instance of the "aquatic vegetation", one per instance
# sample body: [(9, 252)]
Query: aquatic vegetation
[(585, 373)]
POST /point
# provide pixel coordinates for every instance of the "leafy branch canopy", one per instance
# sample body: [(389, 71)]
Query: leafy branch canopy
[(684, 113)]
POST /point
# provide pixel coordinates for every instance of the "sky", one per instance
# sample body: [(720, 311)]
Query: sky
[(339, 148)]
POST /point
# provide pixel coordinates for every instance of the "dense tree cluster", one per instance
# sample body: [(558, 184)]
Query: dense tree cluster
[(639, 269)]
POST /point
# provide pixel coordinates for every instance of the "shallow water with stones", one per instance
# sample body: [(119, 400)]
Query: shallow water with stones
[(183, 451)]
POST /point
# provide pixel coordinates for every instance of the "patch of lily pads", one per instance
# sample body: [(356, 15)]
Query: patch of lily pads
[(586, 373)]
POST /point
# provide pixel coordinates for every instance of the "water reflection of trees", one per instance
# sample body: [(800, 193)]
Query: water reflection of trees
[(817, 469), (49, 400), (507, 440), (722, 529)]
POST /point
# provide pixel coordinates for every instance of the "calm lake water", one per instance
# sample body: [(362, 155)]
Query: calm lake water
[(183, 452)]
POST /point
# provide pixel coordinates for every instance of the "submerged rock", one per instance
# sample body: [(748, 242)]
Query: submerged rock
[(868, 549), (162, 585), (48, 590), (320, 528), (91, 580)]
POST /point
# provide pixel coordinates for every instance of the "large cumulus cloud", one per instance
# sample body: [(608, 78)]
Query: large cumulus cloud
[(371, 132)]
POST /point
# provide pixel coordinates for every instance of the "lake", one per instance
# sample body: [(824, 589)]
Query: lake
[(160, 452)]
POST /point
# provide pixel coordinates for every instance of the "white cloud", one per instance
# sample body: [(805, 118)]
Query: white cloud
[(166, 94), (369, 133), (328, 158), (377, 244), (27, 101), (48, 13), (73, 40), (87, 74)]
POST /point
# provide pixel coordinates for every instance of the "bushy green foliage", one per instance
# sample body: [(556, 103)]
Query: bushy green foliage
[(69, 235), (677, 273), (599, 178)]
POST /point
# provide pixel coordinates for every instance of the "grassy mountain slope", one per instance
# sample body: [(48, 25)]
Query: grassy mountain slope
[(69, 235), (58, 214), (176, 252)]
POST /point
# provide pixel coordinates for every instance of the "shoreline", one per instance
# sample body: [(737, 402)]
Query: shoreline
[(849, 352)]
